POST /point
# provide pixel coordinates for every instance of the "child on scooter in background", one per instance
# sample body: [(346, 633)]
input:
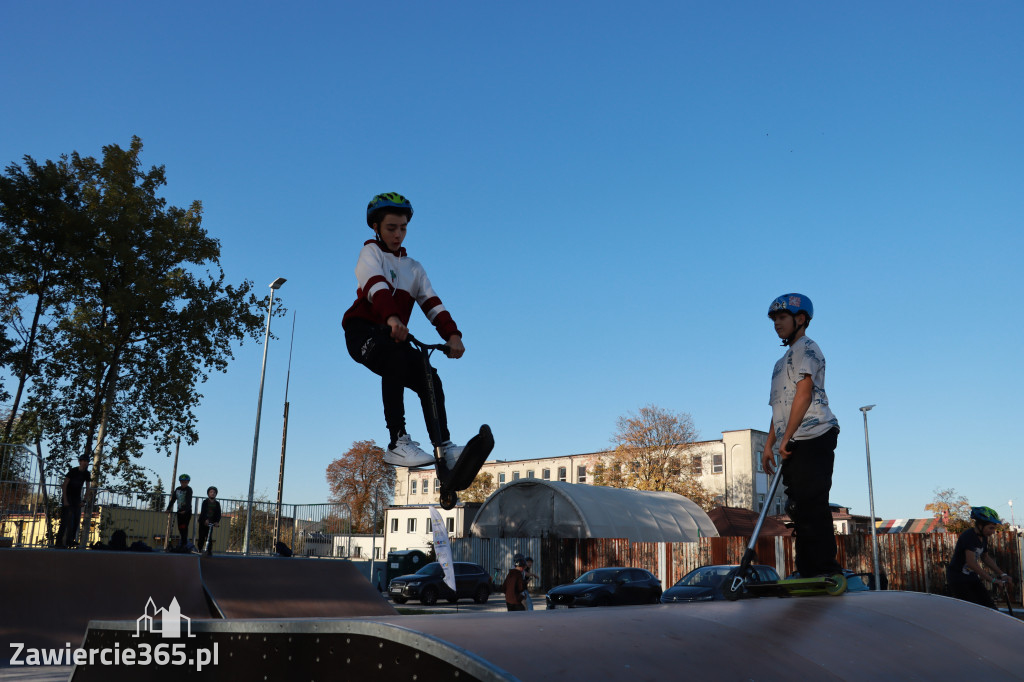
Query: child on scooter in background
[(389, 283), (964, 572)]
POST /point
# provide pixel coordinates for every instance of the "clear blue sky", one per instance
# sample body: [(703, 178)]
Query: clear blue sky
[(608, 195)]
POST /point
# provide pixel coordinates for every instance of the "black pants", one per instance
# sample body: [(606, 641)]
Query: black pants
[(515, 607), (184, 519), (973, 591), (807, 475), (399, 367), (70, 518), (204, 532)]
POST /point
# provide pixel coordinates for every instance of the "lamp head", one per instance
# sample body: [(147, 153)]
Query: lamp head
[(866, 408), (276, 284)]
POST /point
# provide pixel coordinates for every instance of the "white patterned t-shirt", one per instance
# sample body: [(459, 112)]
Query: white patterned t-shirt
[(802, 358)]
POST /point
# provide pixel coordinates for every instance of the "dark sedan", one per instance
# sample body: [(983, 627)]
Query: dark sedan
[(706, 583), (606, 587)]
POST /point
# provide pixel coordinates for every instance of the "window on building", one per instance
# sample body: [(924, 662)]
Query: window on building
[(425, 486), (529, 473), (411, 526), (717, 464), (451, 524), (501, 478), (377, 551), (581, 474), (760, 502), (394, 525), (561, 474), (545, 474), (412, 487), (757, 458), (437, 484), (698, 465), (778, 506), (515, 475), (428, 525)]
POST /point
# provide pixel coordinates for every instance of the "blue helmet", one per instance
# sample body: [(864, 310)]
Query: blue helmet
[(792, 304), (387, 200), (985, 515)]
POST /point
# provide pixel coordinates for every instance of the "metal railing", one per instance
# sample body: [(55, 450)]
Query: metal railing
[(30, 513)]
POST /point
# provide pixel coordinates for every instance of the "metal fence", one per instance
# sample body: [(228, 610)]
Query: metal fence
[(910, 561), (30, 513)]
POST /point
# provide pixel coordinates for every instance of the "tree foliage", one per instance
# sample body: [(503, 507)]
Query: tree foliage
[(361, 479), (480, 489), (654, 451), (952, 509), (115, 308)]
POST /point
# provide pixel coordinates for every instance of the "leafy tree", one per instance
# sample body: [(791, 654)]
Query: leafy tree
[(479, 490), (45, 235), (654, 451), (361, 479), (156, 498), (138, 313), (952, 509)]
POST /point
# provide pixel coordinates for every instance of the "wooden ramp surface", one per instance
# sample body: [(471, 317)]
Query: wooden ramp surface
[(275, 587), (48, 597), (855, 637)]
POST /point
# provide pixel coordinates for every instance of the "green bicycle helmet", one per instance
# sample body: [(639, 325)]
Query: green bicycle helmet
[(392, 201), (985, 515), (184, 477)]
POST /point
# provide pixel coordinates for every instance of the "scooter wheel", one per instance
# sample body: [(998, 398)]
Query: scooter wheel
[(835, 585), (729, 583), (449, 500)]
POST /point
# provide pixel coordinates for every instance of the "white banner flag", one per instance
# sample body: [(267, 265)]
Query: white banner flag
[(441, 547)]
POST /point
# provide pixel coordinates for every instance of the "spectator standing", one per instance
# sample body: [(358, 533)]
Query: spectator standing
[(72, 501), (182, 495), (514, 587), (209, 516)]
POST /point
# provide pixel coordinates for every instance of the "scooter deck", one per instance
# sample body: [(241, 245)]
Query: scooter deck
[(474, 454), (833, 585)]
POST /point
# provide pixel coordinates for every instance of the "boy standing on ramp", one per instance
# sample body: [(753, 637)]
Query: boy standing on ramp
[(375, 328), (806, 433)]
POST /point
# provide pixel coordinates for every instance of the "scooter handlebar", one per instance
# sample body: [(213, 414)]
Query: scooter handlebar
[(443, 347)]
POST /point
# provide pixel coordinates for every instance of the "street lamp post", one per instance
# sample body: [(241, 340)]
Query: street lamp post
[(274, 286), (284, 443), (871, 496)]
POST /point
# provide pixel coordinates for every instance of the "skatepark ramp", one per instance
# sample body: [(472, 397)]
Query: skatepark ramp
[(855, 637), (48, 597)]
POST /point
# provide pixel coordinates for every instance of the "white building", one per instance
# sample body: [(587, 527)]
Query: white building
[(408, 526), (730, 470)]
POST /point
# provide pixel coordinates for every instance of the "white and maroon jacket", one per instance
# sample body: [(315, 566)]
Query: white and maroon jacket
[(389, 284)]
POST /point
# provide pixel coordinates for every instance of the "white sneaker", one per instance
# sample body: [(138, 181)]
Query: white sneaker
[(451, 452), (407, 453)]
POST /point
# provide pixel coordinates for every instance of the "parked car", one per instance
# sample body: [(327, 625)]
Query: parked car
[(427, 584), (607, 587), (707, 582)]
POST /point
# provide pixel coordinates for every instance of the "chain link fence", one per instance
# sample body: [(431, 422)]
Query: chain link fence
[(30, 517)]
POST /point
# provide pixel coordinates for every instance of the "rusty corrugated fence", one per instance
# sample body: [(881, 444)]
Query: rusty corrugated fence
[(911, 561)]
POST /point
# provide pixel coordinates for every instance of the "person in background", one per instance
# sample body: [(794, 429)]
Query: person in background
[(72, 501), (209, 516), (514, 586), (964, 572), (182, 495)]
